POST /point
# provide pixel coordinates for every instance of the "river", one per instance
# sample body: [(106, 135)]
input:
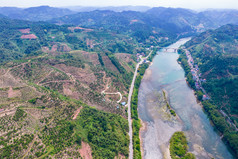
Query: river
[(165, 74)]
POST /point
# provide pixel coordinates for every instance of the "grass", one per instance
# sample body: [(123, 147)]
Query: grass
[(172, 112)]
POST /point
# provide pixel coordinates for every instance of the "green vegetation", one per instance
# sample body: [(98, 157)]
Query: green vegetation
[(100, 59), (184, 62), (106, 133), (179, 147), (115, 62), (58, 137), (12, 150), (69, 60), (20, 114), (168, 106), (152, 55), (33, 100)]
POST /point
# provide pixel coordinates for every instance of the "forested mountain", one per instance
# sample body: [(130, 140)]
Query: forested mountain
[(112, 8), (41, 13), (173, 20), (176, 20), (160, 18), (222, 17), (10, 10), (216, 54), (127, 21), (183, 18)]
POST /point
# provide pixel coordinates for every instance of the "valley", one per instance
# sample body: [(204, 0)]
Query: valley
[(80, 83), (165, 75)]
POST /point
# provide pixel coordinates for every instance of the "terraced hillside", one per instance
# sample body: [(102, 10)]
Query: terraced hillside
[(59, 89), (49, 76)]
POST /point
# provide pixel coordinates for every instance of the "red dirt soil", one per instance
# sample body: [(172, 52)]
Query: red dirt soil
[(25, 31), (29, 36), (85, 151), (13, 93), (133, 21), (76, 113), (120, 157)]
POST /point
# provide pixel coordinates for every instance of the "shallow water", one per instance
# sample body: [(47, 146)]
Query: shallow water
[(166, 74)]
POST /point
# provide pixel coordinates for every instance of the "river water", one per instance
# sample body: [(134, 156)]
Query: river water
[(165, 74)]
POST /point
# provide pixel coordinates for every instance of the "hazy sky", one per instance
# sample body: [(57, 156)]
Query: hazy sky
[(194, 4)]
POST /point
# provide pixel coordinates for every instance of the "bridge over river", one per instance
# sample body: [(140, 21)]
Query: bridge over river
[(168, 49)]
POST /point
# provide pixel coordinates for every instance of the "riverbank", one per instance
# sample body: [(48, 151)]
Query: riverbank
[(142, 128), (136, 124), (166, 74), (218, 120)]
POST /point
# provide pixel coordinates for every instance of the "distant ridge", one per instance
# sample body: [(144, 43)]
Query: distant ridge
[(112, 8), (185, 19), (41, 13)]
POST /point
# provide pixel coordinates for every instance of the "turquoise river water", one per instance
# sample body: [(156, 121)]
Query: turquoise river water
[(165, 74)]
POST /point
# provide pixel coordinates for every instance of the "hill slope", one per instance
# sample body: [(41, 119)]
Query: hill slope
[(49, 76), (222, 17), (216, 54)]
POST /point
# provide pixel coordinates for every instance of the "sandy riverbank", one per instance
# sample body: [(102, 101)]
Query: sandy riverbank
[(142, 128)]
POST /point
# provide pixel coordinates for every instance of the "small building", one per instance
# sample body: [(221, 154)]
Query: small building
[(205, 97), (197, 85), (123, 103), (203, 80)]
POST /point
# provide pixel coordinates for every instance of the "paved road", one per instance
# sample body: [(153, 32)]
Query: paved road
[(129, 107)]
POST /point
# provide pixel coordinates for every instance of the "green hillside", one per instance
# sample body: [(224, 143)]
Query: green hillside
[(216, 54)]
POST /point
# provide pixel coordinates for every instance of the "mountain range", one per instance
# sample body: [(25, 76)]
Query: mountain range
[(182, 18)]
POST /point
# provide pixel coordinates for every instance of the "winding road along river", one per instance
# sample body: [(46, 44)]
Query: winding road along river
[(165, 74)]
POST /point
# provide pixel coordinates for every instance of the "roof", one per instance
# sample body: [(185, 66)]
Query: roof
[(123, 103)]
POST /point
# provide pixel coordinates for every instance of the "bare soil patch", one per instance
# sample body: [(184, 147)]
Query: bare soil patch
[(8, 80), (133, 21), (87, 56), (13, 93), (86, 151), (85, 76), (120, 156), (29, 36), (25, 31), (68, 89), (124, 59), (76, 113), (57, 47), (107, 62)]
